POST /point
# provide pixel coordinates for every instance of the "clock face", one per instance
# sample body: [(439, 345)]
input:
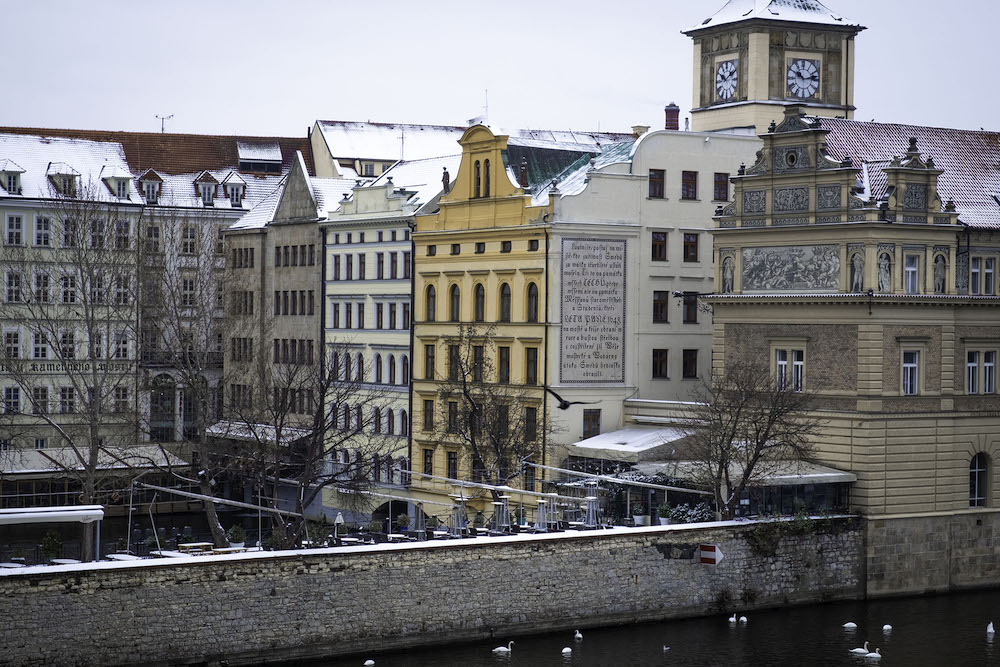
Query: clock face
[(726, 79), (803, 78)]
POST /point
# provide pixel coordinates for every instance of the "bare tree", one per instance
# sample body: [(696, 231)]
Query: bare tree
[(69, 360), (499, 423), (747, 426)]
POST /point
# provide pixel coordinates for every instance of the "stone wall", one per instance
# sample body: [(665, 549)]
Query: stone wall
[(933, 553), (247, 608)]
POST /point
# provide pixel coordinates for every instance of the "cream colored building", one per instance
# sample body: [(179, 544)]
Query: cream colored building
[(752, 58)]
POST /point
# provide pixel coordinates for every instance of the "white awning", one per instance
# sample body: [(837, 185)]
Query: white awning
[(66, 514), (250, 432), (57, 460), (631, 444), (784, 473)]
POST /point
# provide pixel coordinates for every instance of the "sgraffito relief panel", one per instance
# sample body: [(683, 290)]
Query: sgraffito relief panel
[(754, 201), (592, 335), (791, 268), (915, 198), (791, 199), (828, 197)]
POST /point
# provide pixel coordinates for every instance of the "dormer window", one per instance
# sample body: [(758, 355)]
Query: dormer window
[(121, 188), (207, 193), (151, 191), (235, 193), (12, 183), (67, 185)]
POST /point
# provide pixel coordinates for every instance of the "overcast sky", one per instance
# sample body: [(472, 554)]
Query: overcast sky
[(254, 67)]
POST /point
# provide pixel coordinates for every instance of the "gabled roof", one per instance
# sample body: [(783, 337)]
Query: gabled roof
[(421, 178), (787, 11), (10, 166), (206, 177), (574, 179), (115, 171), (388, 141), (970, 160), (60, 169), (150, 175), (233, 177), (263, 212), (178, 153)]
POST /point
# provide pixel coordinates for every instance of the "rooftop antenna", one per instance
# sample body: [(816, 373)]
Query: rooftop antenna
[(163, 122)]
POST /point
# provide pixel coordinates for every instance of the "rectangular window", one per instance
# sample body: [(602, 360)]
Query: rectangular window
[(591, 423), (40, 349), (349, 267), (478, 362), (378, 315), (456, 248), (656, 180), (721, 190), (530, 425), (689, 185), (406, 316), (121, 399), (505, 246), (392, 266), (660, 364), (659, 247), (689, 369), (187, 292), (379, 265), (122, 229), (188, 245), (428, 461), (798, 370), (690, 308), (503, 365), (12, 345), (67, 345), (974, 270), (781, 369), (428, 416), (361, 267), (911, 370), (41, 443), (532, 245), (988, 274), (67, 400), (43, 232), (989, 372), (454, 362), (15, 230), (431, 250), (531, 365), (12, 399), (14, 287), (480, 248), (68, 284), (392, 316), (43, 293), (406, 264), (69, 233), (661, 305), (972, 373), (428, 362), (452, 416), (690, 247), (40, 400), (911, 279), (335, 274), (152, 239), (453, 465), (348, 314)]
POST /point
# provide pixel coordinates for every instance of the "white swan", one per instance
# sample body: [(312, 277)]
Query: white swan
[(567, 651), (877, 655), (850, 625), (743, 619), (665, 648), (504, 650), (861, 651), (369, 663), (989, 628), (578, 636), (732, 619), (886, 628)]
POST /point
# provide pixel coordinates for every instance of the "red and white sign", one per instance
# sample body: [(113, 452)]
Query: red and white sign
[(711, 554)]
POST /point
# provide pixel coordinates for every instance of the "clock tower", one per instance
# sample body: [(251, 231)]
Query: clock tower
[(753, 58)]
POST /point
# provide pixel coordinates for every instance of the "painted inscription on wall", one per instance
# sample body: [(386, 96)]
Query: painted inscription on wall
[(791, 268), (592, 338)]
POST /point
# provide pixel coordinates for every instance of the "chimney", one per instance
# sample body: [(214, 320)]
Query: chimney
[(639, 130), (673, 114)]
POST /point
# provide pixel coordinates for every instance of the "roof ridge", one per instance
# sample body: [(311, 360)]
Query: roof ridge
[(17, 129)]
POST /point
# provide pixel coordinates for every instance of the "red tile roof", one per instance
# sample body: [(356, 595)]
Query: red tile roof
[(970, 160), (178, 153)]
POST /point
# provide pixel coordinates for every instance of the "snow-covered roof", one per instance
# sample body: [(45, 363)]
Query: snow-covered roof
[(797, 11), (778, 473), (115, 171), (61, 514), (240, 430), (37, 158), (262, 212), (233, 177), (389, 141), (58, 459), (421, 177), (10, 166), (630, 444), (574, 179), (259, 152), (329, 191)]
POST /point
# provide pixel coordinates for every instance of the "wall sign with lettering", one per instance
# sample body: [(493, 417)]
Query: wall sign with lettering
[(592, 336)]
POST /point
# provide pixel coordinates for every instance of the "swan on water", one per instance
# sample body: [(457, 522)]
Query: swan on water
[(743, 619), (577, 636), (567, 650), (850, 625), (665, 648), (369, 663), (732, 619), (877, 655), (861, 651), (886, 628), (503, 650), (989, 628)]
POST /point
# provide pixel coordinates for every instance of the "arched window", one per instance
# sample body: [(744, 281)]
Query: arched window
[(504, 303), (486, 183), (347, 366), (378, 368), (979, 473), (357, 418), (347, 417), (390, 422), (406, 370), (477, 178), (455, 304), (431, 303), (334, 365), (360, 372), (392, 369), (377, 420), (532, 302), (479, 306), (404, 425)]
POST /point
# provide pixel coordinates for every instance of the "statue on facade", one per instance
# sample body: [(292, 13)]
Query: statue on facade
[(728, 269), (857, 272), (884, 274), (940, 266)]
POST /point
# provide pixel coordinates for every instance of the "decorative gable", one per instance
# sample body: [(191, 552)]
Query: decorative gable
[(152, 186)]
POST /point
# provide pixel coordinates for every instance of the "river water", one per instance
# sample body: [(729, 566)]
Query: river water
[(932, 631)]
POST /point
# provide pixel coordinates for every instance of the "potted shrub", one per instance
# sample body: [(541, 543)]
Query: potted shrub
[(432, 522), (679, 514), (663, 514), (403, 521), (639, 515), (237, 536)]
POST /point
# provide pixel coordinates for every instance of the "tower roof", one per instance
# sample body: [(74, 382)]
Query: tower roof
[(784, 11)]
